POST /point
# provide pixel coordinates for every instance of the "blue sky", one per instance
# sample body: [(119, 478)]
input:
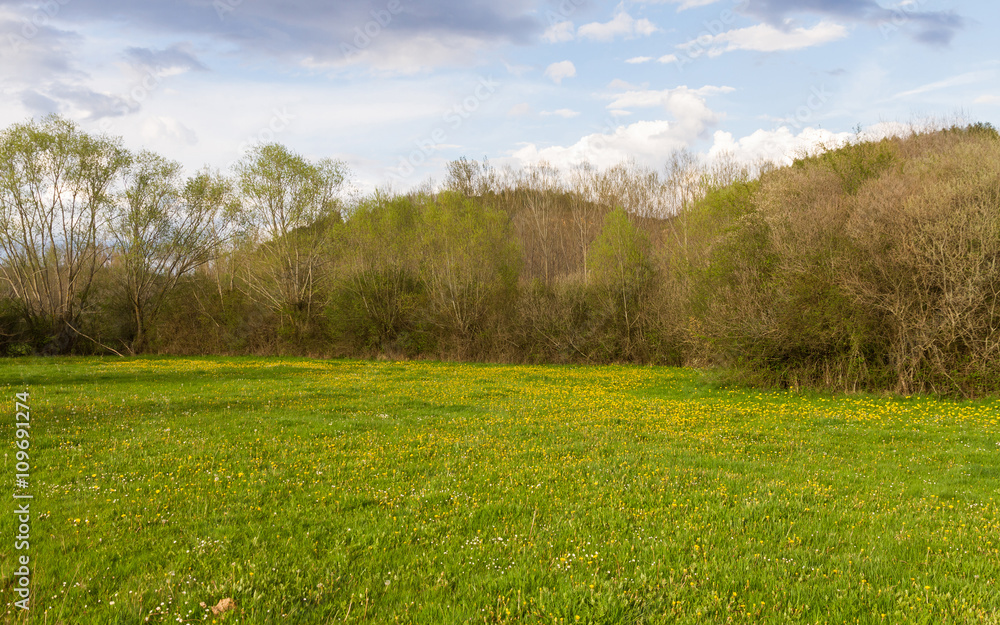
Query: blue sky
[(397, 88)]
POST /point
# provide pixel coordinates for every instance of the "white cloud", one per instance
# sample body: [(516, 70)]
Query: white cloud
[(406, 54), (668, 58), (639, 59), (883, 130), (622, 85), (648, 142), (564, 113), (623, 25), (987, 99), (671, 99), (558, 71), (780, 146), (162, 129), (765, 38), (558, 33)]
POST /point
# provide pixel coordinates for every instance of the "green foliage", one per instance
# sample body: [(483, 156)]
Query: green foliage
[(865, 267), (421, 273), (983, 130), (620, 256), (56, 182), (290, 206), (469, 265), (623, 274), (377, 301), (856, 163), (868, 266)]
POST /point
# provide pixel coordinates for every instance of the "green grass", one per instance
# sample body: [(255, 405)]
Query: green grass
[(326, 491)]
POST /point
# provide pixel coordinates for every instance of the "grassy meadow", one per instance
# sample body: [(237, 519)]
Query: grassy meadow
[(372, 492)]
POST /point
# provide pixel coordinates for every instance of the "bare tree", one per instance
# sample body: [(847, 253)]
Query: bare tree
[(586, 210)]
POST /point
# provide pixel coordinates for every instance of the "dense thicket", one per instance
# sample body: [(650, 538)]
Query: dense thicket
[(870, 266)]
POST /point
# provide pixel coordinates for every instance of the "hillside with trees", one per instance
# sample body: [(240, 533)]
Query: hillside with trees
[(872, 265)]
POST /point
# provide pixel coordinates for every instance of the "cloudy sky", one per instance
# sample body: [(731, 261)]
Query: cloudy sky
[(397, 88)]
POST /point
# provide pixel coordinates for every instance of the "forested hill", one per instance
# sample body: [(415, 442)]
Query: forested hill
[(869, 266)]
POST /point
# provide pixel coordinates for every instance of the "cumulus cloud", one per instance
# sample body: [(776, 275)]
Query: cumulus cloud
[(558, 33), (652, 142), (646, 141), (623, 85), (558, 71), (780, 146), (649, 141), (160, 129), (671, 99), (622, 25)]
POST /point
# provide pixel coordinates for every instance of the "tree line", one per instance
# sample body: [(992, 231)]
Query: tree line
[(868, 266)]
